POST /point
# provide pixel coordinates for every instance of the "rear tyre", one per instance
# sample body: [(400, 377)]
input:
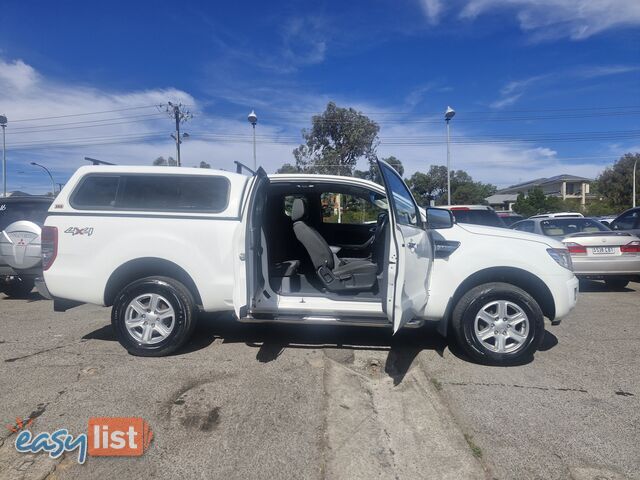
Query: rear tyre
[(498, 324), (154, 316), (18, 287), (616, 283)]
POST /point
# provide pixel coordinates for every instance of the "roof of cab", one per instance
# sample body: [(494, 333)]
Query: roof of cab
[(157, 170)]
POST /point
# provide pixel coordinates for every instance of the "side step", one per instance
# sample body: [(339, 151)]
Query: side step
[(326, 320)]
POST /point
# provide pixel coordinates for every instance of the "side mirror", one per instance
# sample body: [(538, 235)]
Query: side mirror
[(438, 218)]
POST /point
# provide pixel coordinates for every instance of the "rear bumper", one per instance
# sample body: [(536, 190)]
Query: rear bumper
[(615, 265)]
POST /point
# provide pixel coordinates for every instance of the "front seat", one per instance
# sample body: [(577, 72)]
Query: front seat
[(354, 275)]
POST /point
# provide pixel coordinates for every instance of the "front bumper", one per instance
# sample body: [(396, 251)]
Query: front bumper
[(565, 295)]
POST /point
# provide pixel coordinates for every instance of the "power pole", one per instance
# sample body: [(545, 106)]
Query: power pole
[(180, 114)]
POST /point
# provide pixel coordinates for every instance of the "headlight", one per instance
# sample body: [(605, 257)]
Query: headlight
[(562, 257)]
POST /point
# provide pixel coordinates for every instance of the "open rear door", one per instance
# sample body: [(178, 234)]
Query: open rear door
[(249, 278), (410, 255)]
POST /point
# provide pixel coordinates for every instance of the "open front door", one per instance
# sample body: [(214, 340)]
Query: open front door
[(410, 255), (249, 278)]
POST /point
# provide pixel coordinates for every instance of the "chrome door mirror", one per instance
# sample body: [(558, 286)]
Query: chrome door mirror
[(438, 218)]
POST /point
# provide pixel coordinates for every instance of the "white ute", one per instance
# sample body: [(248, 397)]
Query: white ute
[(160, 244)]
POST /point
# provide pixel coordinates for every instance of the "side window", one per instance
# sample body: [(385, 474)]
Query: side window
[(96, 192), (627, 221), (174, 193), (153, 192), (406, 211), (350, 208), (525, 227)]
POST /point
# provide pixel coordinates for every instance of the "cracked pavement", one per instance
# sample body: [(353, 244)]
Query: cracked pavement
[(254, 401)]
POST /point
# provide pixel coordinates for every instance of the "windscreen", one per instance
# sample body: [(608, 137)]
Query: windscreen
[(14, 211), (488, 218), (560, 227)]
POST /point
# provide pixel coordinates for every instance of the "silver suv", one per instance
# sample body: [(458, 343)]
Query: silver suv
[(21, 219)]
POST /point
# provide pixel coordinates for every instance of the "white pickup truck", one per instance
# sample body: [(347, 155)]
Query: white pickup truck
[(160, 244)]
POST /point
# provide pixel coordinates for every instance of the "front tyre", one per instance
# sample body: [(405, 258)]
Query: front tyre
[(498, 324), (154, 316)]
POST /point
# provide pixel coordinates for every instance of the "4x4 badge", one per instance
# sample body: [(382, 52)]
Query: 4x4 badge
[(88, 231)]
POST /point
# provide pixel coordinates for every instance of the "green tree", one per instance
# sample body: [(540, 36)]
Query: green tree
[(395, 163), (373, 173), (338, 138), (164, 162), (204, 164), (615, 183), (288, 168), (537, 202), (433, 185)]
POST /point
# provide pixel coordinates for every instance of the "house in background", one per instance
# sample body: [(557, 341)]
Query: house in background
[(561, 186), (502, 202)]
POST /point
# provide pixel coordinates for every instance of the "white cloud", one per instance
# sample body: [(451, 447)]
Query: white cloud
[(512, 91), (499, 164), (35, 95), (549, 19), (432, 10), (545, 19), (16, 75), (304, 40)]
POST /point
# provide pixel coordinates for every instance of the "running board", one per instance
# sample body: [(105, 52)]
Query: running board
[(322, 320)]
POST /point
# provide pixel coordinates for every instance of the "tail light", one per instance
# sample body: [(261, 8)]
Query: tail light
[(49, 246), (633, 247), (575, 247)]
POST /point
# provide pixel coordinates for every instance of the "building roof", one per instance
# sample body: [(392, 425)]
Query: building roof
[(538, 182), (500, 198)]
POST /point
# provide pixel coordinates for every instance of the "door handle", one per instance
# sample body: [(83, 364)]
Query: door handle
[(412, 245)]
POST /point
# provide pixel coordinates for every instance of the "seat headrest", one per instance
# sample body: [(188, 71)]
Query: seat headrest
[(298, 210)]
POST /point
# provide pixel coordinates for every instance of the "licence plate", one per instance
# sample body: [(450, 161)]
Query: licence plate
[(603, 250)]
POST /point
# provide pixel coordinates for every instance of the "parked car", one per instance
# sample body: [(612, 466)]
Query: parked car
[(596, 251), (605, 219), (21, 219), (476, 215), (628, 221), (558, 215), (160, 243), (509, 218)]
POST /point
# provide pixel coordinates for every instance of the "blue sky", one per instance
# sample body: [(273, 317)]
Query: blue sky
[(538, 85)]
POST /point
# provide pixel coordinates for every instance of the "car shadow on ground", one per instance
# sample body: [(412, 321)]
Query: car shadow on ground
[(271, 340), (593, 286), (31, 297)]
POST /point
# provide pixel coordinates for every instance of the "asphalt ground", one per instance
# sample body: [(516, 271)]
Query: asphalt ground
[(274, 401)]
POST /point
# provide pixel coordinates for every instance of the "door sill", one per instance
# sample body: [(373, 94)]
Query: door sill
[(303, 319)]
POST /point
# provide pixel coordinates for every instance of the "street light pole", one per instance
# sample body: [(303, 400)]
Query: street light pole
[(635, 164), (3, 124), (448, 115), (253, 119), (53, 183)]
